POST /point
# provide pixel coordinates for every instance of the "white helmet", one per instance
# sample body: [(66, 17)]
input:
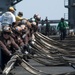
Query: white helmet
[(23, 26), (34, 23)]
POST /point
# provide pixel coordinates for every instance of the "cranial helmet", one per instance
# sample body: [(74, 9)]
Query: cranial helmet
[(18, 29), (34, 23), (7, 29), (23, 26), (11, 8), (20, 13)]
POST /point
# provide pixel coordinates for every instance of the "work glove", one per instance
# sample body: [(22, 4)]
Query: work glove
[(10, 55)]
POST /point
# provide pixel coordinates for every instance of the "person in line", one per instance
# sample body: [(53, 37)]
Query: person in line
[(20, 39), (7, 45), (37, 20)]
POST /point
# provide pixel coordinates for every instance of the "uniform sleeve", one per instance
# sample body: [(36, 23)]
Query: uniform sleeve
[(13, 18), (14, 44), (0, 18), (4, 48), (20, 41), (58, 26), (66, 26)]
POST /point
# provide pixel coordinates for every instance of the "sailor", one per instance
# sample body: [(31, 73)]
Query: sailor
[(19, 16), (7, 45), (8, 18), (62, 27)]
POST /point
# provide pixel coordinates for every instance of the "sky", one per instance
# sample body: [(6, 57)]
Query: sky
[(53, 9)]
